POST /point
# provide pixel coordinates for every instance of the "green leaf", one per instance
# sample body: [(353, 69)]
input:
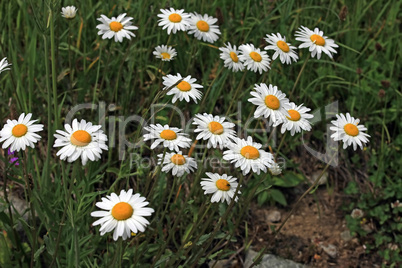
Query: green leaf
[(278, 196), (289, 179)]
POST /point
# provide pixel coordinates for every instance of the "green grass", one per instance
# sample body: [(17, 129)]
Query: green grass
[(51, 74)]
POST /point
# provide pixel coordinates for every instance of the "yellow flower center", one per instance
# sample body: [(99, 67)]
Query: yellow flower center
[(294, 115), (351, 129), (255, 56), (175, 17), (168, 134), (283, 46), (80, 138), (115, 26), (215, 127), (19, 130), (165, 55), (317, 39), (122, 211), (250, 152), (184, 86), (272, 102), (178, 159), (234, 57), (203, 26), (223, 185)]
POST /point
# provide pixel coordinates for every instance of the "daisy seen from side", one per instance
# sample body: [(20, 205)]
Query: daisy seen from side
[(275, 169), (4, 65), (203, 27), (170, 137), (80, 139), (21, 133), (297, 120), (165, 53), (186, 89), (69, 12), (124, 213), (214, 129), (222, 187), (283, 50), (254, 59), (248, 155), (177, 163), (116, 28), (316, 42), (271, 103), (348, 130), (230, 57), (174, 20)]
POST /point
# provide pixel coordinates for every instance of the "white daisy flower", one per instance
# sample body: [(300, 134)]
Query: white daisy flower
[(186, 89), (178, 163), (254, 59), (223, 187), (20, 133), (347, 129), (271, 102), (214, 129), (169, 136), (174, 20), (81, 139), (203, 27), (297, 120), (69, 12), (275, 169), (4, 64), (316, 42), (123, 214), (230, 57), (116, 27), (165, 53), (282, 49), (247, 155)]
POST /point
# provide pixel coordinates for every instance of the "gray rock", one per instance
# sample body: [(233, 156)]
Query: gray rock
[(270, 261), (330, 250), (274, 216), (346, 236), (315, 176)]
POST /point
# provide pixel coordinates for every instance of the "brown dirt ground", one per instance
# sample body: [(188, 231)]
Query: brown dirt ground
[(300, 238)]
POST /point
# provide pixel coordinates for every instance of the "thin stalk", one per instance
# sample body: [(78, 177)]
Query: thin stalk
[(29, 199), (63, 217), (46, 172), (280, 145), (209, 88), (69, 56), (221, 220), (299, 75), (15, 234), (237, 92), (54, 75)]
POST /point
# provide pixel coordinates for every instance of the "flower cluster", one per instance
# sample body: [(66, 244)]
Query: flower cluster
[(125, 213)]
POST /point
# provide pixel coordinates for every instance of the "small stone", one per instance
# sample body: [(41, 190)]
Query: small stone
[(330, 250), (270, 261), (274, 216), (323, 180), (346, 236)]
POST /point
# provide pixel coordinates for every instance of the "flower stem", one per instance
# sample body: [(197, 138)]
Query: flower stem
[(54, 75), (299, 75), (234, 98)]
